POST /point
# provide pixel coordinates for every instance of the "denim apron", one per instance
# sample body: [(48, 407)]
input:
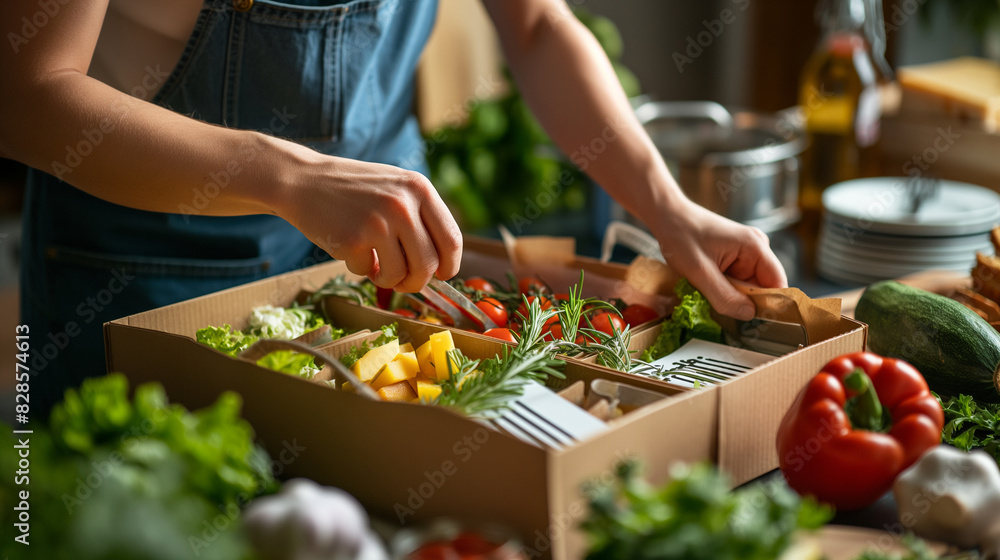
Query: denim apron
[(338, 78)]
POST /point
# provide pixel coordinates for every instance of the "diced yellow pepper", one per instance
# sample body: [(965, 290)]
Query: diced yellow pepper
[(393, 372), (397, 392), (425, 360), (408, 361), (441, 343), (428, 390), (369, 365)]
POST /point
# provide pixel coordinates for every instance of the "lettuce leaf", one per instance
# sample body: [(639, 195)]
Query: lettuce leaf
[(292, 363), (691, 318), (225, 339), (355, 353)]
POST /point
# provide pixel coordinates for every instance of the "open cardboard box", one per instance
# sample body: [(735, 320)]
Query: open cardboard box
[(411, 462), (405, 462)]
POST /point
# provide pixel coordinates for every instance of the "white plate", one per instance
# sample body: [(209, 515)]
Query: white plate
[(881, 269), (950, 244), (899, 257), (881, 204)]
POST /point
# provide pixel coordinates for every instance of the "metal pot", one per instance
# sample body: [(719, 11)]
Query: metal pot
[(740, 165)]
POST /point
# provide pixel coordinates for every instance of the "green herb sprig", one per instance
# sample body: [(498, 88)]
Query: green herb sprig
[(970, 425)]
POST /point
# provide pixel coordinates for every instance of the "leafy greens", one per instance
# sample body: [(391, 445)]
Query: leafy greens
[(691, 318), (970, 425), (694, 516), (271, 322), (114, 478)]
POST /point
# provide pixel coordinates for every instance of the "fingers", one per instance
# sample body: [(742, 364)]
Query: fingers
[(421, 260), (756, 263), (390, 268), (724, 298), (444, 234), (361, 261)]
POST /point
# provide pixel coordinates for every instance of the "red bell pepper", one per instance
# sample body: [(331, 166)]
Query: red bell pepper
[(837, 443)]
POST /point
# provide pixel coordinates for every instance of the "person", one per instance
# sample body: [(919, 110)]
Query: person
[(180, 147)]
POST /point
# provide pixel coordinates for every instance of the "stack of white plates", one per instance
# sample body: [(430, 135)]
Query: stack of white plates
[(869, 233)]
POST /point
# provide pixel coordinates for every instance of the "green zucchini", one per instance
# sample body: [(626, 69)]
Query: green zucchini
[(954, 348)]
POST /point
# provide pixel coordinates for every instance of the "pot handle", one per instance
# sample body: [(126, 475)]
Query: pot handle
[(654, 110)]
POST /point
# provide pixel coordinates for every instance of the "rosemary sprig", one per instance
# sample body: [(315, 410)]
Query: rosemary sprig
[(485, 388)]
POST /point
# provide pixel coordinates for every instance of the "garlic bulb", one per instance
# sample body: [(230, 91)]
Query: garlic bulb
[(306, 521), (952, 496)]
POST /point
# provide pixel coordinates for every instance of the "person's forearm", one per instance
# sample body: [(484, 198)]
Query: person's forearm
[(571, 87), (131, 152)]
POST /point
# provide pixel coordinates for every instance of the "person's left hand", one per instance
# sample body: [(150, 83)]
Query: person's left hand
[(705, 248)]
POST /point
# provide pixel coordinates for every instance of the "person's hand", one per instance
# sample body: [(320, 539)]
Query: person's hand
[(705, 248), (386, 223)]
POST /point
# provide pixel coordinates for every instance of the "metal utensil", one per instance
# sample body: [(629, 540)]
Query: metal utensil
[(768, 336), (922, 189), (340, 373), (468, 309)]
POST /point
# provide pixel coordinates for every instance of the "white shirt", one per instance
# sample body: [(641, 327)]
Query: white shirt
[(141, 42)]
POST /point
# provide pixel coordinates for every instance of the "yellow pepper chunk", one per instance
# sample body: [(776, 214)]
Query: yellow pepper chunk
[(397, 392)]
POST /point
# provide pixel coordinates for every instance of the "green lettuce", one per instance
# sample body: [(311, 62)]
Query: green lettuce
[(691, 318), (225, 339), (355, 353), (271, 322), (292, 363)]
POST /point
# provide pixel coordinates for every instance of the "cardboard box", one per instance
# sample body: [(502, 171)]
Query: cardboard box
[(410, 462), (406, 461), (751, 406)]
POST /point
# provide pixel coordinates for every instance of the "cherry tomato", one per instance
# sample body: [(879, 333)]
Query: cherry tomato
[(502, 334), (481, 284), (555, 332), (636, 314), (544, 302), (494, 310), (605, 320), (406, 312), (532, 285)]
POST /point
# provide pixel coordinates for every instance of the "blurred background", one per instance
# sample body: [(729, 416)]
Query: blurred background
[(493, 165)]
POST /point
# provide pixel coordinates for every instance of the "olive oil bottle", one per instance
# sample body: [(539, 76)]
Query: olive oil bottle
[(840, 96)]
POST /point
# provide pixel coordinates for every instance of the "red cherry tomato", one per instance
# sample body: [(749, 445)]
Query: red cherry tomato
[(555, 332), (532, 285), (483, 285), (605, 320), (637, 313), (544, 302), (406, 312), (502, 334), (494, 310)]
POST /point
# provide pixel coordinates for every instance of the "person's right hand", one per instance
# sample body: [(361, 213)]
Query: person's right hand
[(385, 222)]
